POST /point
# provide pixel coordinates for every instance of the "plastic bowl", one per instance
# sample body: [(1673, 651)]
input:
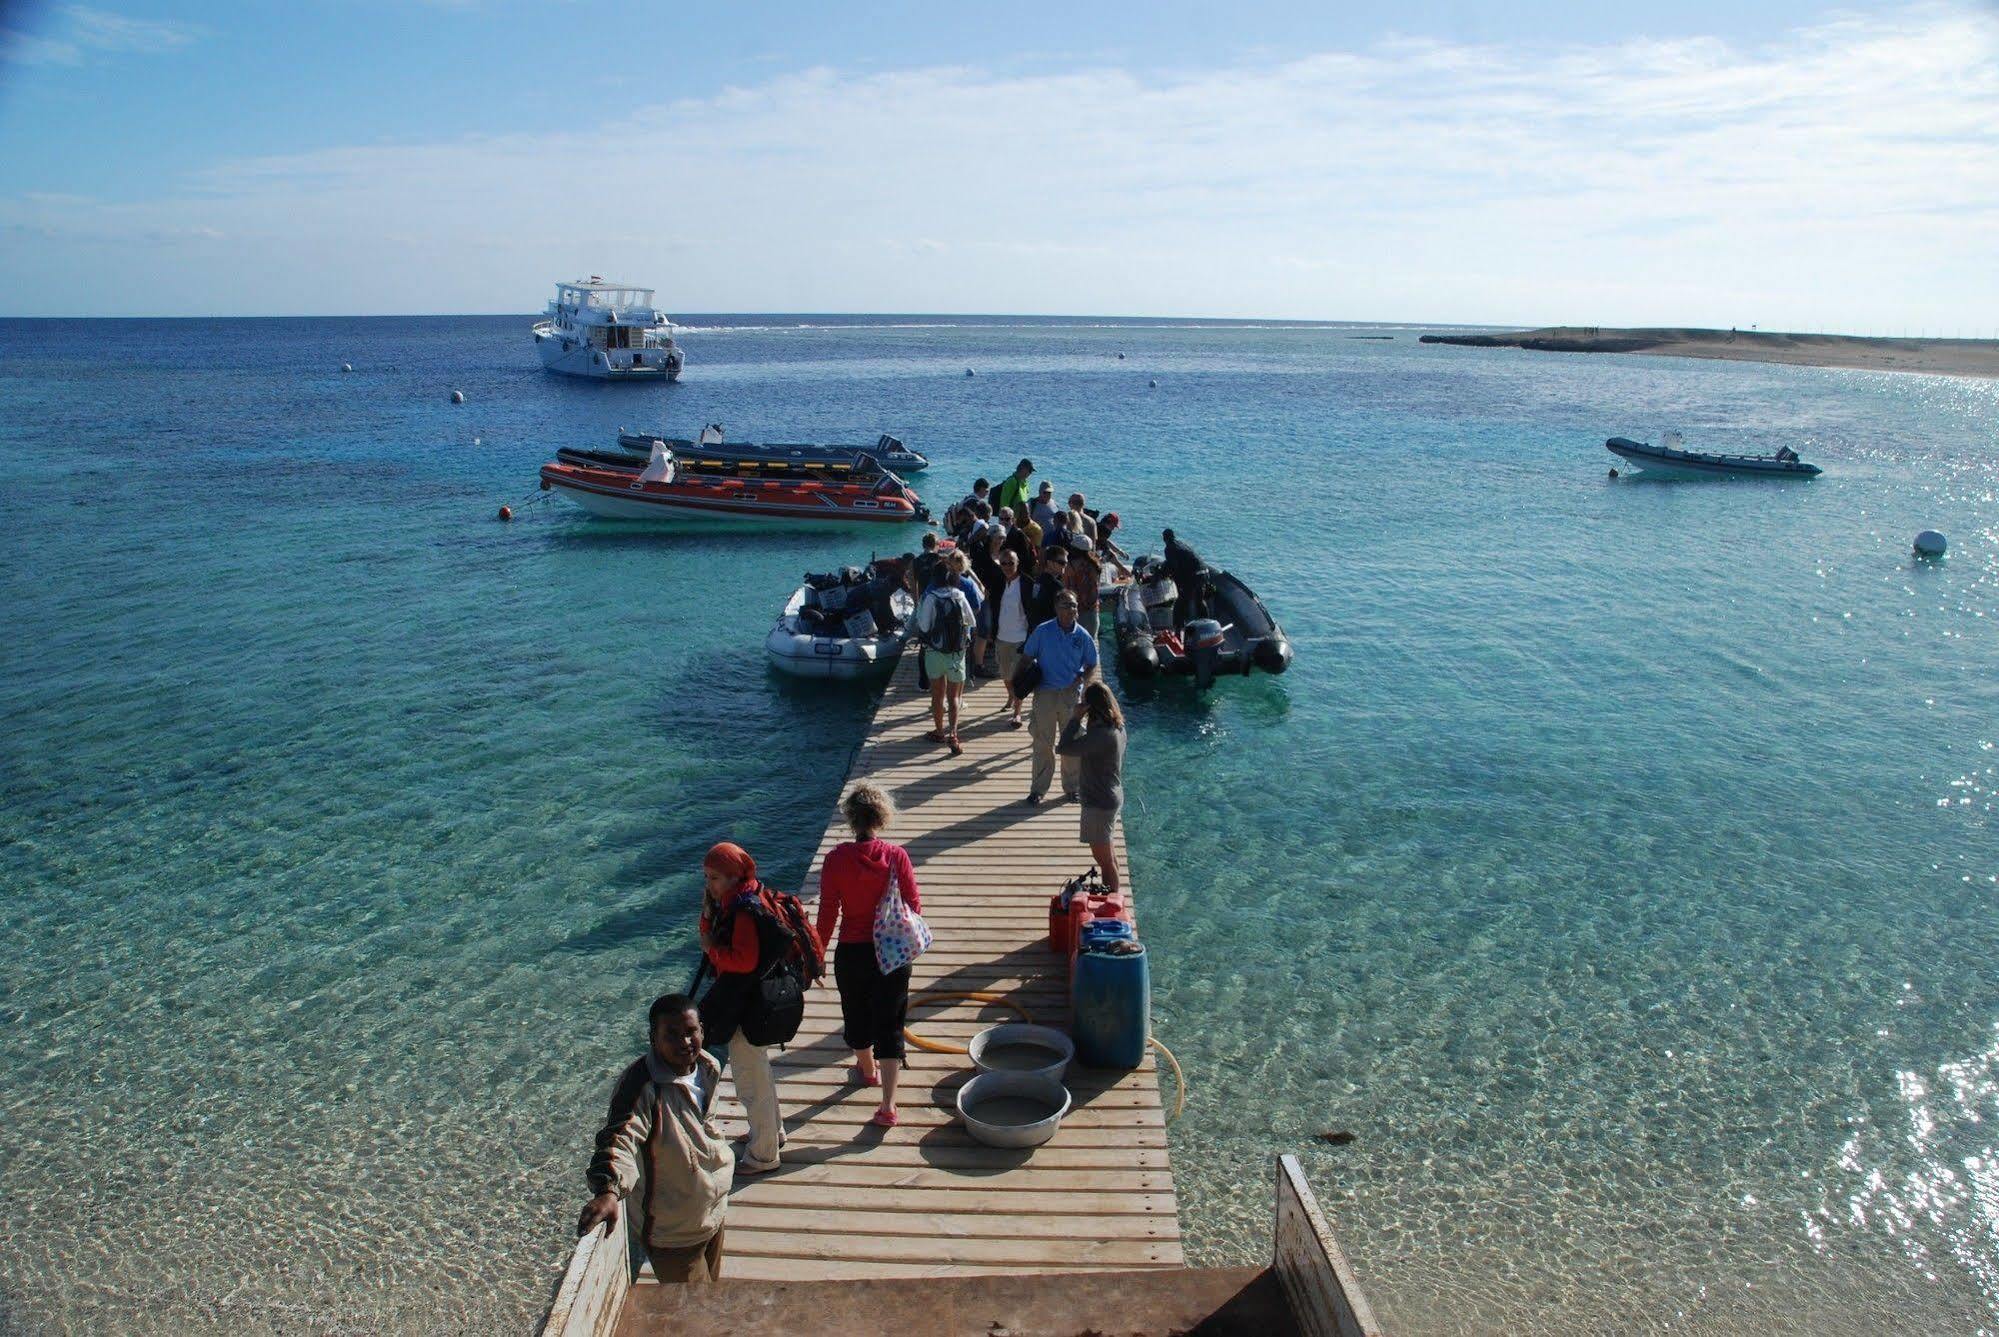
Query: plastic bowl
[(990, 1089), (1021, 1033)]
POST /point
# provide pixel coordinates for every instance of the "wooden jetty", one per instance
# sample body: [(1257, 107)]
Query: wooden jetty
[(854, 1203)]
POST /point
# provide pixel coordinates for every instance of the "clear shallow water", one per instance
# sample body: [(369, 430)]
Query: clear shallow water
[(1617, 863)]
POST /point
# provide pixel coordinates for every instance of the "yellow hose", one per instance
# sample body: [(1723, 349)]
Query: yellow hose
[(939, 1047), (1179, 1079)]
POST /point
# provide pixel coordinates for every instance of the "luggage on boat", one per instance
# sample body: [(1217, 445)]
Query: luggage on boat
[(842, 624)]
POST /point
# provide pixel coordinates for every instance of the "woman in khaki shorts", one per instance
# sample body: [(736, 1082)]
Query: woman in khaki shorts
[(1095, 736)]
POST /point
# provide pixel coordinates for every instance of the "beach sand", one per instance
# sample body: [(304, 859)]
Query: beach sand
[(1951, 357)]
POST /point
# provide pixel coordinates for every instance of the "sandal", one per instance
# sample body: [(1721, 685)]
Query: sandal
[(864, 1079), (935, 735), (884, 1119), (957, 748), (1016, 723)]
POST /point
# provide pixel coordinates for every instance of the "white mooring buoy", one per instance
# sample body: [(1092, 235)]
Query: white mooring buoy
[(968, 371), (347, 366), (458, 396), (1929, 543)]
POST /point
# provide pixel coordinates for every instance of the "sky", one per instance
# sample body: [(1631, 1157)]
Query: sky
[(1778, 163)]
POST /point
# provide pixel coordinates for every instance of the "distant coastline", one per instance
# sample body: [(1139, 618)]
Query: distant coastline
[(1951, 357)]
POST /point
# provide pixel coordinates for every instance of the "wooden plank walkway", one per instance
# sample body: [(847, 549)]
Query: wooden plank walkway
[(924, 1199)]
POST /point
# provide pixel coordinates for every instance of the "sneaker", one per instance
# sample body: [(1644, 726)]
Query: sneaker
[(1033, 799)]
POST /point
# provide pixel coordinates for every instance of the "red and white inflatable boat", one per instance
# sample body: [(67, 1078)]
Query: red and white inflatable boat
[(659, 495)]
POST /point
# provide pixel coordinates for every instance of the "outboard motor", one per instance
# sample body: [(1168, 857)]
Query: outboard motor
[(1204, 647)]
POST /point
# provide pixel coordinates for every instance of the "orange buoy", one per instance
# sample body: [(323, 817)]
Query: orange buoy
[(506, 512)]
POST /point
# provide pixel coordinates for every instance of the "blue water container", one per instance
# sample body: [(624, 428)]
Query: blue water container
[(1098, 932), (1110, 1001)]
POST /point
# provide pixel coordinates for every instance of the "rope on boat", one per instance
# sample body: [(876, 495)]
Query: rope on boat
[(940, 1047)]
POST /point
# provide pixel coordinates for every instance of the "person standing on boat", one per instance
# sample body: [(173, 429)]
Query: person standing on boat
[(1010, 626), (661, 1133), (874, 1006), (1189, 574), (1012, 490), (944, 625), (1067, 657), (1095, 736), (742, 933)]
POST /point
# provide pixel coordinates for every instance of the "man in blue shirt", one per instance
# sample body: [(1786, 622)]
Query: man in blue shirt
[(1067, 657)]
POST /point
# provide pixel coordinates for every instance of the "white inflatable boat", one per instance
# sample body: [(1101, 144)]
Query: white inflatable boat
[(838, 632)]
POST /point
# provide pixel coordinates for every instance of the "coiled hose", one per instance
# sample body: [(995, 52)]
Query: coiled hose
[(975, 996)]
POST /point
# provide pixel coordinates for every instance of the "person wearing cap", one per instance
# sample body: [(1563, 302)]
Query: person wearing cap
[(1067, 657), (1108, 552), (1042, 508), (1084, 578), (1012, 490), (741, 935)]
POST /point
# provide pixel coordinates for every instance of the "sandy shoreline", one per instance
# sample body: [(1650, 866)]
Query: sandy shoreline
[(1950, 357)]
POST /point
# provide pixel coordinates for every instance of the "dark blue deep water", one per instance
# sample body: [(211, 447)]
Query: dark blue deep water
[(1618, 862)]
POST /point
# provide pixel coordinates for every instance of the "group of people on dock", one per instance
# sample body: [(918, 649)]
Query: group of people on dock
[(1019, 583)]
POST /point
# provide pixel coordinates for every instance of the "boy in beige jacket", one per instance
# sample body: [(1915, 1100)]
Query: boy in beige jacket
[(659, 1135)]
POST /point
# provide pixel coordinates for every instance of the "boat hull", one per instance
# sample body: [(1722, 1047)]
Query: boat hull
[(568, 357), (1249, 640), (1666, 461), (900, 460), (718, 504)]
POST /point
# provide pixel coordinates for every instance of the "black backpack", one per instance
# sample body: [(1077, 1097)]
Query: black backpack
[(947, 625), (777, 1008)]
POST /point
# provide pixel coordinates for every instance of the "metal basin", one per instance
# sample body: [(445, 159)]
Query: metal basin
[(1012, 1109), (1011, 1048)]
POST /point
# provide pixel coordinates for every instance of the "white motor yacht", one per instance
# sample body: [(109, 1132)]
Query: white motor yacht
[(609, 331)]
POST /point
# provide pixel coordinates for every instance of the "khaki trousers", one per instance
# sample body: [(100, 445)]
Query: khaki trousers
[(756, 1087), (1051, 711), (691, 1262), (1009, 660)]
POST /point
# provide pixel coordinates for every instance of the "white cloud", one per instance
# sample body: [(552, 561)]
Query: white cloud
[(85, 29), (1846, 176), (104, 31)]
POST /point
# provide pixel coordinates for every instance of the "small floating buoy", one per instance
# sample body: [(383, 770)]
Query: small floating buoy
[(506, 512), (1152, 385), (1613, 473), (968, 371), (478, 441), (1120, 357), (1929, 543), (347, 366), (458, 396)]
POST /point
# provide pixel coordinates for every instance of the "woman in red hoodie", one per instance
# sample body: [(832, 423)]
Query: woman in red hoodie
[(740, 934), (874, 1006)]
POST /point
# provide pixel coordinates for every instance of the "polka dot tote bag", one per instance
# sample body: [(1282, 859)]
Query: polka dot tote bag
[(900, 933)]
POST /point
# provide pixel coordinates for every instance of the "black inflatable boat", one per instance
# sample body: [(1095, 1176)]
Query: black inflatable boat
[(1228, 630)]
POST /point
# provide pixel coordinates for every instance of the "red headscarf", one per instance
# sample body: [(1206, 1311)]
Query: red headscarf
[(731, 859)]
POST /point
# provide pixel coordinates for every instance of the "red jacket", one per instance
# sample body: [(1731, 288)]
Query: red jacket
[(851, 885), (739, 955)]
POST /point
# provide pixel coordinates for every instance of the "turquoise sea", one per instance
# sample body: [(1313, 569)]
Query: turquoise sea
[(1618, 863)]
